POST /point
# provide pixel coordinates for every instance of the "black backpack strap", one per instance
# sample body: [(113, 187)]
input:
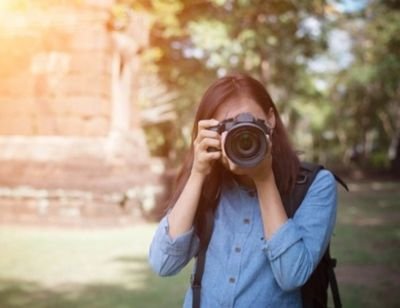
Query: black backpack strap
[(204, 224), (333, 282), (305, 178), (205, 237), (307, 174), (341, 182)]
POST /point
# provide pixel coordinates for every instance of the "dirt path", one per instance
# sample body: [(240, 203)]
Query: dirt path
[(370, 276)]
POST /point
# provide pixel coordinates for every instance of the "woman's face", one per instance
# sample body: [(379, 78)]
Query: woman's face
[(232, 108)]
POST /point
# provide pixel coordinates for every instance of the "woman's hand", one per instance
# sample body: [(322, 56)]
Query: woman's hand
[(260, 173), (203, 160), (182, 215)]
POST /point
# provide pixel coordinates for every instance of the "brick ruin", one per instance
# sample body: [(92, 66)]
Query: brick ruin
[(72, 149)]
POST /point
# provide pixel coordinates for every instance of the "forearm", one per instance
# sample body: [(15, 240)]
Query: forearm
[(298, 245), (168, 256), (272, 210), (290, 257), (182, 215)]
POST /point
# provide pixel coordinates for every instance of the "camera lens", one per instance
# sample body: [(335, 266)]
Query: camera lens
[(245, 142), (246, 145)]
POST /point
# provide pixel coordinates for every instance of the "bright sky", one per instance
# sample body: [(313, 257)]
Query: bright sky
[(349, 6)]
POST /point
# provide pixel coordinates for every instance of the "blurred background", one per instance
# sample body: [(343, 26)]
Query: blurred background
[(97, 100)]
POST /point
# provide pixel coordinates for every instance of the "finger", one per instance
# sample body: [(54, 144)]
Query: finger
[(208, 142), (226, 160), (223, 137), (206, 133), (213, 155), (204, 124), (207, 157)]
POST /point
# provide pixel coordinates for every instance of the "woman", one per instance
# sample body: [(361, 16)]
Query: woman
[(257, 256)]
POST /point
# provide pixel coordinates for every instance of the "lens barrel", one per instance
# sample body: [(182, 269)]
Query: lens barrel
[(246, 144)]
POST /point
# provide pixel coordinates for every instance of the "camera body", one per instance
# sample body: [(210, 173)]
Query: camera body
[(245, 144)]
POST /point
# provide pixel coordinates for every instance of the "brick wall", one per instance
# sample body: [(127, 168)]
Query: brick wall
[(62, 128), (55, 71)]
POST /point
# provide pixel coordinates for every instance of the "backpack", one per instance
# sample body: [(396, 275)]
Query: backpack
[(315, 291)]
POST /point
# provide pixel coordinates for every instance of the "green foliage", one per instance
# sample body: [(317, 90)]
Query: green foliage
[(367, 94), (329, 113), (193, 42)]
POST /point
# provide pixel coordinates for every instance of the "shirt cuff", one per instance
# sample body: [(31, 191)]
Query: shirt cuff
[(285, 237), (177, 246)]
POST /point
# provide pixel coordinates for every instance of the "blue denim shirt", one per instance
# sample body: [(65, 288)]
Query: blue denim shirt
[(242, 268)]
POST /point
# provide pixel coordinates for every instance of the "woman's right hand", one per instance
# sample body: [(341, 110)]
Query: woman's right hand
[(203, 160)]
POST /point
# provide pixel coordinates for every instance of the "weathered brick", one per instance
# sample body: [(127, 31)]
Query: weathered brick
[(89, 107), (10, 107), (45, 125), (83, 38), (97, 126), (16, 125), (82, 106), (98, 61), (101, 4), (17, 86), (85, 85), (55, 94), (70, 126)]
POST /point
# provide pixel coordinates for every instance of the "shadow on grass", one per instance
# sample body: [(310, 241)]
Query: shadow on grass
[(143, 288)]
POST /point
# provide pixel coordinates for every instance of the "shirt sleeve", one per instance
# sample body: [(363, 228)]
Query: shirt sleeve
[(168, 256), (296, 248)]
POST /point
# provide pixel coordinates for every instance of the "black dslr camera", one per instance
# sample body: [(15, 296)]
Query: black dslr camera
[(245, 143)]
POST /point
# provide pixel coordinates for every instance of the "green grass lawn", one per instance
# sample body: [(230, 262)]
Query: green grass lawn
[(367, 245), (82, 268), (47, 267)]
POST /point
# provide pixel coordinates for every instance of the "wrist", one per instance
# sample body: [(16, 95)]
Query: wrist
[(267, 180), (196, 176)]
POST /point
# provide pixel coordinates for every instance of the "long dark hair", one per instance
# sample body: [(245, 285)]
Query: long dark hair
[(285, 162)]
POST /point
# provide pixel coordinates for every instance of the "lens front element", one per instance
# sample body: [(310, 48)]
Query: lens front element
[(246, 145), (245, 142)]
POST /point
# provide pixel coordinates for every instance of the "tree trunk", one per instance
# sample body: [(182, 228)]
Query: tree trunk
[(394, 155)]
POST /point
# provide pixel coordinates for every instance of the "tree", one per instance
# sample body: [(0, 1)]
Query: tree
[(367, 94), (347, 113), (196, 41)]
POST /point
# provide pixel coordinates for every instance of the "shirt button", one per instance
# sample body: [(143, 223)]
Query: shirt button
[(237, 249), (232, 279), (246, 221)]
